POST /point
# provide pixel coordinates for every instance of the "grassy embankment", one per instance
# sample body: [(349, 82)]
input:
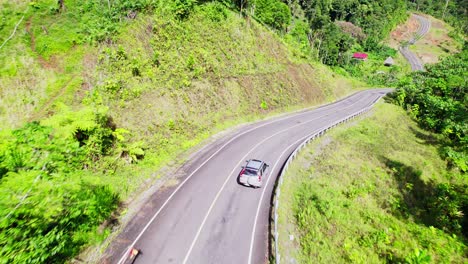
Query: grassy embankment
[(169, 82), (357, 195)]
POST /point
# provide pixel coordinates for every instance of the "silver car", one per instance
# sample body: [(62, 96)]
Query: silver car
[(252, 173)]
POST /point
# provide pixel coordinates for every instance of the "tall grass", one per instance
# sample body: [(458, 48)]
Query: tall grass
[(358, 195)]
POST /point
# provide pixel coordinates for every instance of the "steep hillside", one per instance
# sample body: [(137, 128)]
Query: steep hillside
[(47, 60), (117, 90), (98, 98)]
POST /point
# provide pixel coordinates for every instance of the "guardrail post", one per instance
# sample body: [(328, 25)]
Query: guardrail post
[(286, 166)]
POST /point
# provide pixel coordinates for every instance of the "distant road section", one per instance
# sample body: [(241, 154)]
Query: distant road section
[(208, 217), (415, 62)]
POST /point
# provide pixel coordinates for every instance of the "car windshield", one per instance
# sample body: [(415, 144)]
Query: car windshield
[(250, 172)]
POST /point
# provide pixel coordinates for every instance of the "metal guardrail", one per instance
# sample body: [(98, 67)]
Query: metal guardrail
[(291, 157)]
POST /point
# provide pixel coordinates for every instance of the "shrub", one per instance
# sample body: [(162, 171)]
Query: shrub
[(49, 207), (214, 11), (273, 13), (183, 8), (448, 205)]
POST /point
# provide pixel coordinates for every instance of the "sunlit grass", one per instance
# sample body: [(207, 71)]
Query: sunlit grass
[(345, 198)]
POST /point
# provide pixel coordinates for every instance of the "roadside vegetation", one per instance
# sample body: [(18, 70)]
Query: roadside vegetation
[(374, 192), (441, 41), (97, 96), (437, 100), (392, 188)]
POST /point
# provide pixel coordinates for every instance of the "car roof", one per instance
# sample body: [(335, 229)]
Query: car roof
[(254, 164)]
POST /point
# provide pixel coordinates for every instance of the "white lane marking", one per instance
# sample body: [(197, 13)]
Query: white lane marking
[(232, 172), (252, 240), (226, 181), (209, 158)]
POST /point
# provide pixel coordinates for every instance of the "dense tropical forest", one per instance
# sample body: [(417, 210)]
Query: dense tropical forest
[(438, 100), (72, 78)]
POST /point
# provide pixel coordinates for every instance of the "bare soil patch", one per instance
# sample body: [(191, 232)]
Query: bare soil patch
[(403, 32), (433, 46), (437, 43)]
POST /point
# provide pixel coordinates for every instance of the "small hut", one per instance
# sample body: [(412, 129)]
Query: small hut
[(389, 62)]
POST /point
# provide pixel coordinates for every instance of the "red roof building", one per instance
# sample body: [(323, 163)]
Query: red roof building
[(360, 56)]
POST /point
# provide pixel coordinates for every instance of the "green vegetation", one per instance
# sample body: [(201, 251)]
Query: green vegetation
[(453, 12), (340, 28), (374, 192), (438, 100), (373, 71), (50, 206), (440, 42), (94, 93), (99, 93), (274, 13), (331, 31)]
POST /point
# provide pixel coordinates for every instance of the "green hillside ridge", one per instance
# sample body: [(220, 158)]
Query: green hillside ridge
[(156, 52), (363, 194)]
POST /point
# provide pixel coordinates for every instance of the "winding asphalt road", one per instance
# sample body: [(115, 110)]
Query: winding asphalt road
[(415, 62), (208, 217)]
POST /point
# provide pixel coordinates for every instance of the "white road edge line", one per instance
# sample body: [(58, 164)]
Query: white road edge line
[(252, 240), (226, 181), (230, 175), (122, 259)]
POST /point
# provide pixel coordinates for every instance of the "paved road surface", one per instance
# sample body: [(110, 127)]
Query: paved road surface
[(415, 62), (209, 217)]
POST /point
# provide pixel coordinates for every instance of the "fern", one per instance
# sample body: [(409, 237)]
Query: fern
[(67, 123)]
